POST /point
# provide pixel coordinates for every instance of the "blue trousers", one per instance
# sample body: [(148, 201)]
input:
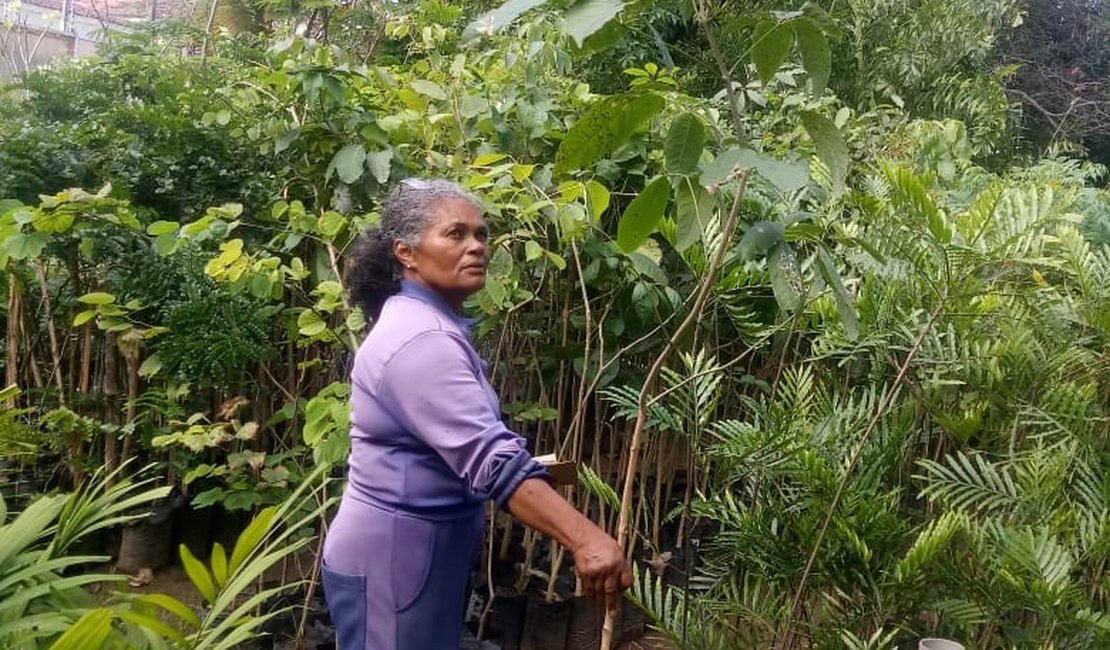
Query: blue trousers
[(395, 581)]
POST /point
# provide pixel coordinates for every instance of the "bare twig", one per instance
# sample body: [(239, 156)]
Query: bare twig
[(880, 412)]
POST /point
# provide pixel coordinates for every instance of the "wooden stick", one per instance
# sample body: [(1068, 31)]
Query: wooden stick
[(649, 380)]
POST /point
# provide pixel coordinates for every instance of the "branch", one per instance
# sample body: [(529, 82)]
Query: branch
[(880, 411)]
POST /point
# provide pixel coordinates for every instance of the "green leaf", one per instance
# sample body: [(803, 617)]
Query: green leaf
[(759, 238), (54, 221), (844, 305), (162, 228), (771, 47), (429, 89), (722, 166), (489, 159), (7, 205), (491, 22), (816, 58), (173, 606), (684, 144), (348, 163), (597, 196), (594, 483), (642, 215), (219, 564), (589, 16), (97, 298), (786, 277), (28, 526), (910, 194), (198, 574), (606, 125), (250, 538), (88, 633), (166, 244), (830, 145), (693, 207), (330, 223), (785, 175), (83, 317), (309, 323), (150, 366), (532, 250), (21, 246), (152, 624), (379, 162)]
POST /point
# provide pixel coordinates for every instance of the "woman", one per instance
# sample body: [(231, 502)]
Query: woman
[(428, 446)]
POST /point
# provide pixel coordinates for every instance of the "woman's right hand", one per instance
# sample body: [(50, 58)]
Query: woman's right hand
[(600, 565)]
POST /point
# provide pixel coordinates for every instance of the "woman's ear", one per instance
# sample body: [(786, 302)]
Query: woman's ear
[(404, 254)]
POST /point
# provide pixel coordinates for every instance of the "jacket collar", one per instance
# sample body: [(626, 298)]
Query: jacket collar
[(420, 292)]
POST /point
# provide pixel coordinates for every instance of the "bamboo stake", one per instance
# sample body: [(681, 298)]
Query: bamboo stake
[(641, 415)]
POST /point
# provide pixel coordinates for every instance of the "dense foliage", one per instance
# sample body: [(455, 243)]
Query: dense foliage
[(829, 343)]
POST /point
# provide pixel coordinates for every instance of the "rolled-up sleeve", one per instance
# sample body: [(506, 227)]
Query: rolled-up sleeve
[(432, 389)]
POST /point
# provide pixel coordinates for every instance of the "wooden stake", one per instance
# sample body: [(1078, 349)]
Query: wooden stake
[(641, 415)]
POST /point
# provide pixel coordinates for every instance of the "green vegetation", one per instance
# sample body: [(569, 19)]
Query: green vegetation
[(816, 296)]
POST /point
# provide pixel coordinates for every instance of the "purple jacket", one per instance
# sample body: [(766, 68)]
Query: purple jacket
[(426, 430)]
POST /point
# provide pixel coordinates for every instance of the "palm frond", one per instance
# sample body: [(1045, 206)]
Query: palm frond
[(969, 483)]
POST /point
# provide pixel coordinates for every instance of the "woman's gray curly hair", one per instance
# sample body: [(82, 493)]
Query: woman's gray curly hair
[(373, 272)]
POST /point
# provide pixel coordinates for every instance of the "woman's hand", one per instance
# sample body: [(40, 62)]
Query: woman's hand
[(598, 559), (600, 565)]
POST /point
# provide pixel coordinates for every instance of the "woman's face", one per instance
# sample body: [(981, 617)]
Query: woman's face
[(453, 252)]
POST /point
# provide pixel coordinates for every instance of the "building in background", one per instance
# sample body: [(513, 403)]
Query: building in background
[(35, 32)]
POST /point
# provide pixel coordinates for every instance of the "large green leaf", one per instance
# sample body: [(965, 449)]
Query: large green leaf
[(250, 538), (17, 536), (816, 57), (348, 163), (492, 21), (88, 633), (693, 208), (198, 574), (379, 163), (684, 144), (172, 605), (759, 238), (55, 220), (606, 125), (589, 16), (785, 175), (642, 215), (24, 246), (786, 277), (911, 195), (771, 47), (844, 305), (831, 147)]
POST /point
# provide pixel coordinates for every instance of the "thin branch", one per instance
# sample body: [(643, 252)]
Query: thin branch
[(880, 412)]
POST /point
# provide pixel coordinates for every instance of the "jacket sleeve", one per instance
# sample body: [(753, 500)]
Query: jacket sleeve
[(432, 389)]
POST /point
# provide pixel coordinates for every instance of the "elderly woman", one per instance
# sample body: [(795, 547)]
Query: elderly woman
[(428, 446)]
